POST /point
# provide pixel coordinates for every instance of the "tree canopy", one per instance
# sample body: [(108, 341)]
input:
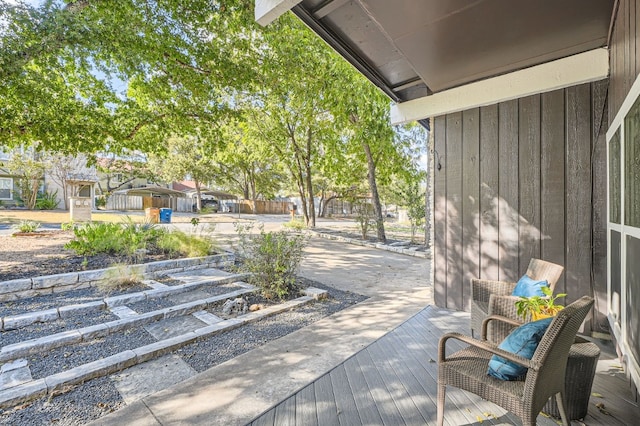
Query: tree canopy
[(86, 75), (201, 88)]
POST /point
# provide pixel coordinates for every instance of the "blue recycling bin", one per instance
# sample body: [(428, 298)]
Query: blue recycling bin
[(165, 215)]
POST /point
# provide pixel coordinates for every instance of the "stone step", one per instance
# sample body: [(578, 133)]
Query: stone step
[(76, 336), (14, 322), (32, 287), (31, 389)]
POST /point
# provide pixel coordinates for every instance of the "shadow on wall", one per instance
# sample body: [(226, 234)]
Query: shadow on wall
[(495, 243)]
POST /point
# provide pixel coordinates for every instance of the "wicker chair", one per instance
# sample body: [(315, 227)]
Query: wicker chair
[(467, 368), (494, 298)]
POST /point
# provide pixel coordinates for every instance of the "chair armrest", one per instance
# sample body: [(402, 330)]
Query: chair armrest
[(505, 320), (485, 346), (482, 289), (505, 306)]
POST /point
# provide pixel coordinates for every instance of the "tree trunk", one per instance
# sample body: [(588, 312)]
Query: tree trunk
[(375, 198), (65, 195), (198, 196), (321, 204), (312, 207)]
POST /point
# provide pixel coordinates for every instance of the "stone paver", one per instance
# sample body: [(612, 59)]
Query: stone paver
[(174, 333), (207, 317), (14, 373), (172, 327), (124, 312), (198, 274), (189, 296), (141, 380)]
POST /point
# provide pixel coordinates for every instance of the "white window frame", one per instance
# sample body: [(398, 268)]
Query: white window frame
[(619, 325)]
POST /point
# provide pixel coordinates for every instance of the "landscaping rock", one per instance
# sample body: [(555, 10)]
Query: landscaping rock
[(236, 306)]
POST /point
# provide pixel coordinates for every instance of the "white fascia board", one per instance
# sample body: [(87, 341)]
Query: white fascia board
[(267, 11), (570, 71)]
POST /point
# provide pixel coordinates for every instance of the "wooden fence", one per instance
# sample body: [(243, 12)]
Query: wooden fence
[(137, 202)]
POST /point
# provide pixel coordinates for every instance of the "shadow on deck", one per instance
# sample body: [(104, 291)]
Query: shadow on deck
[(393, 382)]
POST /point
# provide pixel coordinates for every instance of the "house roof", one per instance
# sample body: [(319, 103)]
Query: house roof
[(415, 48)]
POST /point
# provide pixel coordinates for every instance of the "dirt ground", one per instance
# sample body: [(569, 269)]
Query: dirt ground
[(15, 251), (44, 254)]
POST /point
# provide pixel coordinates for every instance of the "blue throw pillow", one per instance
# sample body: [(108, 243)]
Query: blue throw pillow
[(527, 287), (522, 341)]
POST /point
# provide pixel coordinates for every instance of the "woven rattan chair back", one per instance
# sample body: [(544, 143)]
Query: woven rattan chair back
[(494, 297), (552, 353), (543, 270)]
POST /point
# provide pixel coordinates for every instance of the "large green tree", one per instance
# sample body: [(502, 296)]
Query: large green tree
[(362, 114), (89, 75), (290, 110)]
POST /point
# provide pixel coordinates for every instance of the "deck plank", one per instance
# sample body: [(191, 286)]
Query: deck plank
[(325, 402), (456, 404), (306, 406), (385, 402), (365, 404), (395, 386), (346, 404), (394, 381), (285, 413), (470, 406), (266, 419), (423, 398)]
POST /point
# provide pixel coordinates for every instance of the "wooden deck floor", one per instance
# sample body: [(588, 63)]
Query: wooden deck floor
[(393, 382)]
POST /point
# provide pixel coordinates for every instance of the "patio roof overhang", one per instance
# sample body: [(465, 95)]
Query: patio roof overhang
[(221, 195), (425, 55), (152, 191)]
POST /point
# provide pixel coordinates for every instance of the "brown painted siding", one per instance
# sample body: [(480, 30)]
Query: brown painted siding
[(516, 183), (624, 53)]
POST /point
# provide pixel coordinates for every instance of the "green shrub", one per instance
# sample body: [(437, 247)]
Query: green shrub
[(94, 237), (365, 217), (295, 225), (272, 259), (101, 201), (47, 200), (67, 226), (139, 236), (27, 226), (208, 210), (129, 239), (177, 242)]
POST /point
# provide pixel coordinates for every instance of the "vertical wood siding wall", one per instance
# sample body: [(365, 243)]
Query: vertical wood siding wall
[(624, 53), (521, 179)]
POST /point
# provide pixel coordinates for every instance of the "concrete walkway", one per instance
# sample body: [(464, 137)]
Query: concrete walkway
[(235, 392)]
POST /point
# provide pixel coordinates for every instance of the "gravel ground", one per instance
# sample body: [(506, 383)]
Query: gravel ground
[(88, 401), (48, 301), (37, 330), (57, 360), (79, 405), (154, 304)]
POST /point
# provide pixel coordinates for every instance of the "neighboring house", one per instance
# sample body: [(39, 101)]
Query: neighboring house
[(528, 102), (64, 176), (116, 174), (6, 181), (69, 177)]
